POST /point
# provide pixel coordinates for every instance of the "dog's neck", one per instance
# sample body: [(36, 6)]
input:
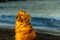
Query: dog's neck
[(21, 25)]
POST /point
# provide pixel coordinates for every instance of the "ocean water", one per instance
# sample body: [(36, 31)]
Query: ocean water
[(43, 23), (44, 14)]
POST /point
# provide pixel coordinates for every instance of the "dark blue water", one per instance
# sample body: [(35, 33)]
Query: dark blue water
[(35, 21)]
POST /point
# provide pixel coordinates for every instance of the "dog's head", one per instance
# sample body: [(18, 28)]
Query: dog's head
[(23, 16)]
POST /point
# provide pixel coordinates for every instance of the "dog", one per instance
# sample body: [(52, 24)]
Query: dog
[(23, 28)]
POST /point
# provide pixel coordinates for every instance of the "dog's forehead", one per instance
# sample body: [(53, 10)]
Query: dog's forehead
[(21, 12)]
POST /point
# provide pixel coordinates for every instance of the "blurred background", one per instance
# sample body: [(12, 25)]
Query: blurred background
[(45, 14)]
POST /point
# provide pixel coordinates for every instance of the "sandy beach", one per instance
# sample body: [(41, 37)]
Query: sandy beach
[(8, 34)]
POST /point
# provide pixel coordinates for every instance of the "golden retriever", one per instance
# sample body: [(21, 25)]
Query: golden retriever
[(23, 28)]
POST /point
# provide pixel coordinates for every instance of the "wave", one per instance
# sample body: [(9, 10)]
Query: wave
[(35, 21)]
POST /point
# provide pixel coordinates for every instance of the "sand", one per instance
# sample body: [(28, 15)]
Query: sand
[(8, 34)]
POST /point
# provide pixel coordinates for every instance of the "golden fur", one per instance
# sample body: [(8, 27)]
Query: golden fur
[(23, 28)]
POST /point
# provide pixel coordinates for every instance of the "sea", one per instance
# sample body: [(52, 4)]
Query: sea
[(45, 15)]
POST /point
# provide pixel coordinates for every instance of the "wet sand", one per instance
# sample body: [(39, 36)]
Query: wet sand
[(8, 34)]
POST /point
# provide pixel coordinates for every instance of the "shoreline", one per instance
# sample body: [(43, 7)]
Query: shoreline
[(8, 34), (44, 31)]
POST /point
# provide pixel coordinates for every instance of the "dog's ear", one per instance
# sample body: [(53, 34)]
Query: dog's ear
[(18, 18)]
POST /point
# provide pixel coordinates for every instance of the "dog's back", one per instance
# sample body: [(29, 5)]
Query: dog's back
[(23, 28)]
